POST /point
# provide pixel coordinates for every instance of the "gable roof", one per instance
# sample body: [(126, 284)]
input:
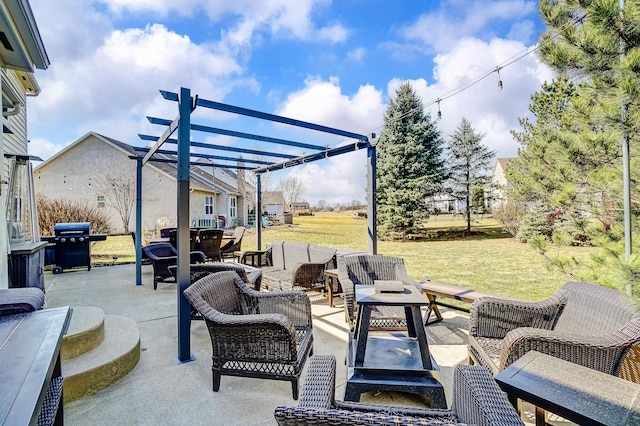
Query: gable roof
[(200, 179)]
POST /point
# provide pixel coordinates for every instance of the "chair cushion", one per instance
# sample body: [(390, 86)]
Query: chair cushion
[(277, 254), (295, 253)]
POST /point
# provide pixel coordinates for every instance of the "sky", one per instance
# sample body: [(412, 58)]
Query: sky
[(335, 63)]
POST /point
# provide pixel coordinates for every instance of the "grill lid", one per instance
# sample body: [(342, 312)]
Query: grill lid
[(71, 228)]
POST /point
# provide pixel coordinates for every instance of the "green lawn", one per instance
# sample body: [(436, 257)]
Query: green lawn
[(490, 261)]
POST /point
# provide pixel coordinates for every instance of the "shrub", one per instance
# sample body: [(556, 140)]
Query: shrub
[(537, 221), (51, 212), (509, 215)]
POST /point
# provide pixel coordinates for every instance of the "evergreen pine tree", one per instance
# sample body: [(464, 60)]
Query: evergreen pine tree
[(468, 163), (409, 164)]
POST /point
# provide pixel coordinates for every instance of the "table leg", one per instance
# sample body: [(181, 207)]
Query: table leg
[(362, 332), (420, 334), (540, 417), (330, 292), (433, 309)]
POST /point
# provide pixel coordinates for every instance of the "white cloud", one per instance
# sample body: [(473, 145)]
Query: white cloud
[(457, 19), (356, 55), (323, 102), (111, 89), (43, 148), (490, 111)]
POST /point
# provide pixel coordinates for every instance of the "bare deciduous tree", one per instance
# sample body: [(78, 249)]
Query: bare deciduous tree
[(118, 186), (292, 190)]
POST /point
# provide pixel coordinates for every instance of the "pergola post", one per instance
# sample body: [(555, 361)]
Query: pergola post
[(258, 211), (372, 231), (184, 226), (138, 239)]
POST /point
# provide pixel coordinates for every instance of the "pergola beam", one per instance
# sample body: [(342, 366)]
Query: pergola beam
[(162, 139), (240, 135), (269, 117), (209, 156), (222, 147)]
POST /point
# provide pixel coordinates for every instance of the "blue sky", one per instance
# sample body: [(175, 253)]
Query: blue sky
[(330, 62)]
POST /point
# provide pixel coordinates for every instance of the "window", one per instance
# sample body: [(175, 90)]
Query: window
[(100, 200), (208, 204), (233, 207)]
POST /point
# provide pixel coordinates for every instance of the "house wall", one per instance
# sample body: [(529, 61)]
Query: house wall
[(73, 175), (77, 175), (15, 143), (499, 184)]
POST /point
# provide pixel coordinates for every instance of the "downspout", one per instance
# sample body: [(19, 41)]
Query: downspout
[(15, 111)]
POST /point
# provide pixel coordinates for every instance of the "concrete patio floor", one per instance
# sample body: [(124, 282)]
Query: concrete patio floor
[(160, 391)]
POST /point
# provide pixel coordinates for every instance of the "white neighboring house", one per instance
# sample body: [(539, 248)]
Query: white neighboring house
[(78, 173), (499, 184), (273, 203), (21, 52)]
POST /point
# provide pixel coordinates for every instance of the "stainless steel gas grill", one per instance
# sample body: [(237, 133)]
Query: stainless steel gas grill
[(71, 245)]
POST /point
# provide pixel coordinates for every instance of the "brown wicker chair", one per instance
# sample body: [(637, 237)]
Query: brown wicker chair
[(231, 246), (193, 238), (477, 400), (582, 323), (253, 334), (364, 269), (210, 240)]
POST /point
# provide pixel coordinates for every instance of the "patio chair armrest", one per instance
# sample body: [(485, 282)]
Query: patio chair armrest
[(401, 274), (604, 352), (349, 293), (300, 416), (319, 388), (294, 304), (494, 317), (263, 255), (308, 273), (197, 257), (477, 398), (270, 335)]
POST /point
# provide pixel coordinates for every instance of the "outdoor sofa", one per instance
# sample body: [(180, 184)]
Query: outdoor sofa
[(583, 323), (294, 265), (477, 400)]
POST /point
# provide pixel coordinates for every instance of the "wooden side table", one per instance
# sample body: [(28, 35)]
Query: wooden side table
[(577, 393), (332, 274)]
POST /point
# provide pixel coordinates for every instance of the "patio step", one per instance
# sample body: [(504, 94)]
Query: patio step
[(85, 332), (101, 367)]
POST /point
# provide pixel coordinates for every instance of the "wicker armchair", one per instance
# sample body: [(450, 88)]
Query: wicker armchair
[(210, 240), (162, 256), (253, 334), (582, 323), (477, 400), (231, 246), (193, 238), (364, 269)]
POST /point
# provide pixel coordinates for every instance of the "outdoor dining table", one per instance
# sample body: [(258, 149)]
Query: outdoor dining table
[(382, 360)]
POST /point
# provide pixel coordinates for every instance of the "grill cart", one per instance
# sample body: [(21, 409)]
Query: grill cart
[(71, 246)]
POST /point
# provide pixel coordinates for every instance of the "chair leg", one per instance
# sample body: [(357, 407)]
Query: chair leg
[(216, 380), (294, 388), (155, 283)]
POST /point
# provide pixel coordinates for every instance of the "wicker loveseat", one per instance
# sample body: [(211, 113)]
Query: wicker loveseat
[(583, 323), (293, 265), (477, 400), (253, 333)]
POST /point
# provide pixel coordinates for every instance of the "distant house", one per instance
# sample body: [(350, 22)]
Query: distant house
[(273, 203), (499, 184), (21, 52), (301, 208), (78, 172)]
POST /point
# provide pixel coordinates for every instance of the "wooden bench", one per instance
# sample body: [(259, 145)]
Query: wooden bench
[(435, 290)]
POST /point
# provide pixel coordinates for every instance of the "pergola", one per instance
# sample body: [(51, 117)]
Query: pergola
[(183, 125)]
